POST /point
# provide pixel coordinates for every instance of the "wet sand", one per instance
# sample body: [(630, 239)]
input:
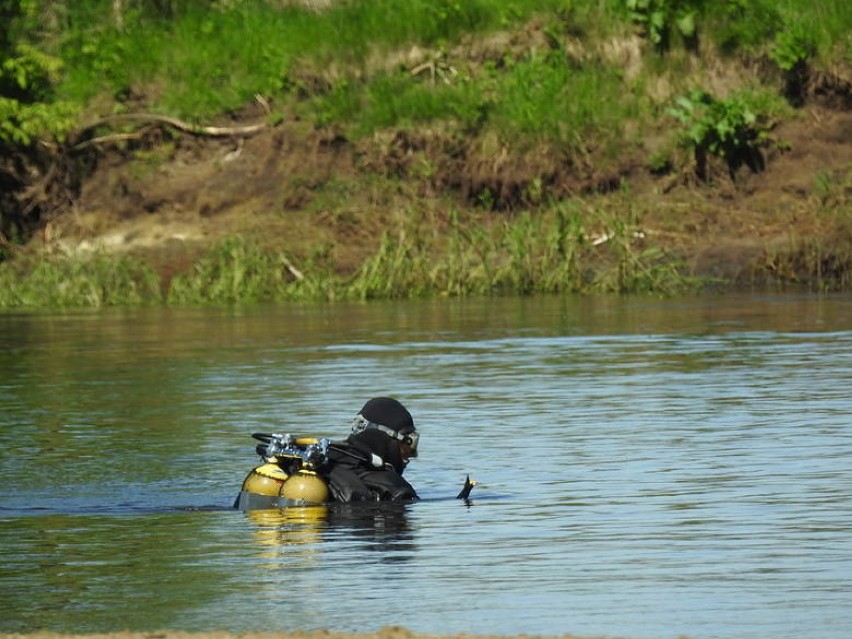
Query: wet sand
[(383, 633)]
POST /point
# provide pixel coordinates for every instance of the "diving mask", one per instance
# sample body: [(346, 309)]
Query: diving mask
[(410, 439)]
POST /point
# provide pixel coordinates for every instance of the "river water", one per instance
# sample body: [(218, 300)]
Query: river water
[(648, 468)]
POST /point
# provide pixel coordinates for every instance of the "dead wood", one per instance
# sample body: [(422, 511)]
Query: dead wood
[(180, 125)]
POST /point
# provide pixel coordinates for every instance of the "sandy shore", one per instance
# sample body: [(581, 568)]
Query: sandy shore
[(384, 633)]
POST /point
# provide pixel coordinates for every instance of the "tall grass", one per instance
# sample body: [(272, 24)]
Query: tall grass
[(558, 250), (562, 249), (825, 23), (576, 246), (823, 259), (90, 280), (240, 272)]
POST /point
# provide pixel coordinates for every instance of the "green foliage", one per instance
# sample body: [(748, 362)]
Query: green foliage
[(398, 99), (545, 99), (101, 63), (241, 272), (30, 71), (66, 281), (23, 123), (27, 108), (743, 24), (549, 252), (341, 102), (660, 18), (540, 99), (793, 31), (725, 128), (233, 272), (822, 27), (398, 269), (792, 48), (391, 23), (202, 57), (208, 58)]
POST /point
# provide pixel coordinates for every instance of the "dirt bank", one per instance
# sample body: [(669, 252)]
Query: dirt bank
[(315, 192), (318, 194)]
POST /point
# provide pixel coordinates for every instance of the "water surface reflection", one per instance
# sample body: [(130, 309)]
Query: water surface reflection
[(649, 468)]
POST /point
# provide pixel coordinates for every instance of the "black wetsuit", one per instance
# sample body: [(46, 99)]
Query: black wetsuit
[(367, 467)]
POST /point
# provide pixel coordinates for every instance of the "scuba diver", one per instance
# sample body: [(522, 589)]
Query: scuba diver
[(369, 464), (365, 467)]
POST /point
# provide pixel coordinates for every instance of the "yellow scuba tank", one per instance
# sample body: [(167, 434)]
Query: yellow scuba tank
[(267, 479), (270, 486), (305, 487)]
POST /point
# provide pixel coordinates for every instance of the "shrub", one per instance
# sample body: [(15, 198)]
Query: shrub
[(792, 49), (27, 108), (729, 129), (661, 18)]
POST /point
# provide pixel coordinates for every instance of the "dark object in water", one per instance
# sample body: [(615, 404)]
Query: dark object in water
[(290, 474), (468, 486)]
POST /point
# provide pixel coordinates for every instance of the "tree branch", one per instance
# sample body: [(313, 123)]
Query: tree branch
[(180, 125)]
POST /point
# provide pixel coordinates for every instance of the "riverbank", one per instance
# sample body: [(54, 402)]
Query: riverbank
[(228, 222), (525, 150)]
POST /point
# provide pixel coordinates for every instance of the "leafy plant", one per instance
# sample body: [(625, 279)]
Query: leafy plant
[(27, 108), (22, 123), (793, 48), (660, 18), (792, 51), (728, 129)]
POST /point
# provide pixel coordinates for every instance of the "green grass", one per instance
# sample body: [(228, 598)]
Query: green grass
[(210, 61), (825, 23), (540, 99), (343, 67), (241, 272), (546, 100), (201, 62), (396, 99), (206, 61), (82, 281), (558, 250), (579, 246)]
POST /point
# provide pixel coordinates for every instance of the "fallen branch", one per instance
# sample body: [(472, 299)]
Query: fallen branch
[(180, 125), (292, 269), (108, 139)]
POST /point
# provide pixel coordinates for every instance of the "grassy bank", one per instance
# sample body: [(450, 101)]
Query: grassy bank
[(552, 251), (573, 247), (563, 80), (524, 124)]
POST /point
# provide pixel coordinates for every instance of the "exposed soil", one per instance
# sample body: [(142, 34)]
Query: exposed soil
[(309, 192)]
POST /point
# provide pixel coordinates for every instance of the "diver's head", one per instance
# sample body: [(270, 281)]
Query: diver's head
[(388, 416)]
